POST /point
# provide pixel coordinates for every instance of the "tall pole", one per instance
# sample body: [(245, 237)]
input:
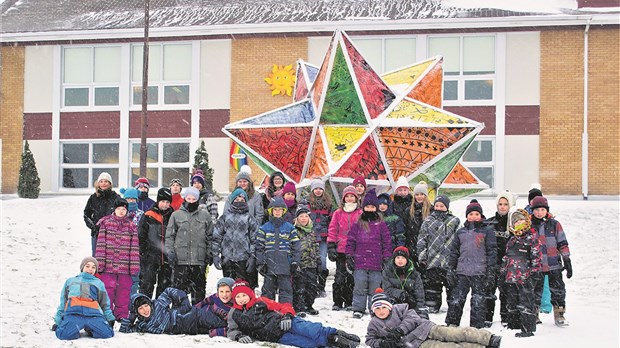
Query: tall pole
[(145, 87)]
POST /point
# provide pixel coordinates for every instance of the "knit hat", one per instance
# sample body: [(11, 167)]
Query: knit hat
[(88, 259), (401, 251), (225, 281), (192, 191), (402, 182), (350, 190), (241, 286), (276, 202), (236, 193), (443, 199), (507, 196), (121, 202), (384, 198), (198, 177), (175, 181), (421, 187), (246, 169), (317, 183), (164, 194), (539, 202), (533, 193), (473, 206), (142, 182), (243, 175), (105, 176), (289, 187), (302, 209), (359, 180), (371, 199), (141, 300), (380, 299), (129, 193)]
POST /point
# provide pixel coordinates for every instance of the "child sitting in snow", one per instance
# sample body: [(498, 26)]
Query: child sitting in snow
[(395, 326), (170, 313), (262, 319), (80, 309), (219, 303), (403, 283)]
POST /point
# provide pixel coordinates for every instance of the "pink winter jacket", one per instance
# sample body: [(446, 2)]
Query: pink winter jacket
[(118, 248), (340, 226)]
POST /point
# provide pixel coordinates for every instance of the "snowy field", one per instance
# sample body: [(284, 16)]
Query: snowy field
[(44, 240)]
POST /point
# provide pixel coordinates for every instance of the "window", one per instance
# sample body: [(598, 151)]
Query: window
[(83, 162), (91, 76), (164, 161), (387, 54), (170, 74), (469, 67), (479, 158)]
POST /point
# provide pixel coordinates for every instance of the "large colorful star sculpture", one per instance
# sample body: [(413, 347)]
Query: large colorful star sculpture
[(347, 121)]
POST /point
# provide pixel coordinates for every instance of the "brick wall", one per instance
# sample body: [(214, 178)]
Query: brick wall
[(11, 114), (252, 60)]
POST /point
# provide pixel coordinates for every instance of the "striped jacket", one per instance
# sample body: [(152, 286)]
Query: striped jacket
[(163, 313), (553, 243), (277, 246), (436, 236), (118, 246), (84, 295)]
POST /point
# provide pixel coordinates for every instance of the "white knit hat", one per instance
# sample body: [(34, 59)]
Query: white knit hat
[(421, 187), (507, 196), (402, 182), (105, 176)]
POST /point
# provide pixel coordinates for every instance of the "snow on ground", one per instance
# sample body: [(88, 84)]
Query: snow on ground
[(44, 240)]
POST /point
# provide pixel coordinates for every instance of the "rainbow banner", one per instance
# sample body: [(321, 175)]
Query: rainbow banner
[(237, 156)]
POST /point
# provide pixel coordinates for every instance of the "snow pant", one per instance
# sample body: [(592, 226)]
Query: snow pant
[(366, 282), (342, 289), (456, 337), (236, 270), (135, 283), (545, 301), (197, 322), (498, 283), (278, 283), (520, 305), (477, 311), (434, 281), (118, 287), (152, 272), (305, 289), (69, 328), (253, 279), (192, 280), (93, 243), (322, 270), (307, 334), (556, 286)]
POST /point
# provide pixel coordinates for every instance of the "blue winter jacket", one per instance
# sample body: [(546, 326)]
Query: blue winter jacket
[(277, 246), (474, 250), (84, 295)]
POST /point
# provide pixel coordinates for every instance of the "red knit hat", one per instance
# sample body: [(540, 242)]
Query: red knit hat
[(359, 180), (473, 206), (142, 182), (401, 251), (241, 286)]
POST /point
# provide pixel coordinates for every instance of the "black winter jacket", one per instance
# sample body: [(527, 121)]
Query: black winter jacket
[(500, 224), (97, 207), (397, 280), (152, 235)]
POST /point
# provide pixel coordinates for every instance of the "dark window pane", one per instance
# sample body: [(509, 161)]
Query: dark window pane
[(75, 178), (105, 153), (76, 96), (74, 153), (106, 96), (112, 171), (484, 173), (176, 152), (479, 151), (151, 174), (152, 97), (479, 90), (176, 95), (151, 153), (450, 90), (175, 173)]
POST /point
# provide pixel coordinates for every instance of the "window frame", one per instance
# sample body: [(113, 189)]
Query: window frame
[(383, 39), (484, 164), (90, 165), (160, 164)]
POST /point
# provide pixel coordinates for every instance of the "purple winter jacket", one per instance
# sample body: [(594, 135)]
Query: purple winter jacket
[(474, 250), (416, 329), (369, 248)]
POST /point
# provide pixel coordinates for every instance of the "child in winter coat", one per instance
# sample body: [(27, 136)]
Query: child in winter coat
[(277, 253), (133, 211), (219, 303), (555, 257), (206, 200), (144, 202), (84, 304), (369, 248), (473, 258), (403, 283), (305, 279), (276, 185), (118, 253), (437, 234), (420, 209), (255, 201), (289, 194), (234, 238), (262, 319), (402, 206), (154, 264), (176, 185), (100, 204), (394, 223), (342, 221), (188, 245), (359, 183), (170, 313), (522, 260), (321, 209), (396, 325)]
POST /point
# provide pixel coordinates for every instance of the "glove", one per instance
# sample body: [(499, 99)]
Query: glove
[(295, 268), (262, 269), (250, 265), (54, 327), (286, 322), (111, 322), (395, 334), (217, 262), (385, 343), (332, 254), (450, 279), (350, 263), (423, 312), (568, 267), (244, 339), (172, 258)]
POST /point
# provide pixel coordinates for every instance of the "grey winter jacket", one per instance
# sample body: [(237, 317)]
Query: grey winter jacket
[(416, 329), (474, 250), (255, 207), (436, 236), (234, 235), (189, 236), (406, 279)]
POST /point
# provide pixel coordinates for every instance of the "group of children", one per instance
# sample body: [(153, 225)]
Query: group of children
[(405, 244)]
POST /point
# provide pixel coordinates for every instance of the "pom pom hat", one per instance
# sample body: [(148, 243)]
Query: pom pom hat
[(380, 299), (198, 177), (421, 187), (371, 199), (402, 182), (241, 286), (473, 206), (539, 202)]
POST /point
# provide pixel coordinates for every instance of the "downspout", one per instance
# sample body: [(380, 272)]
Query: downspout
[(584, 135)]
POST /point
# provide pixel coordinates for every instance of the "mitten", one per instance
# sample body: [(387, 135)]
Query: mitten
[(395, 334), (332, 254), (568, 267), (286, 322), (450, 279), (54, 327), (295, 268), (244, 339), (217, 262), (350, 263), (250, 265)]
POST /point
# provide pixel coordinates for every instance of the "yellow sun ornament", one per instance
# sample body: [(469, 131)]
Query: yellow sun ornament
[(281, 80)]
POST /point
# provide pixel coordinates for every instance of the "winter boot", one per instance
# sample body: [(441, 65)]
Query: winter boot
[(358, 315), (524, 334), (558, 315), (342, 339), (495, 341), (537, 311)]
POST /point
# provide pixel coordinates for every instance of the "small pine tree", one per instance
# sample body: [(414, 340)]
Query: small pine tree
[(201, 161), (29, 182)]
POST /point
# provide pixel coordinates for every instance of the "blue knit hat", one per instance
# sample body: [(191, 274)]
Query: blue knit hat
[(225, 281), (236, 193), (129, 193)]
